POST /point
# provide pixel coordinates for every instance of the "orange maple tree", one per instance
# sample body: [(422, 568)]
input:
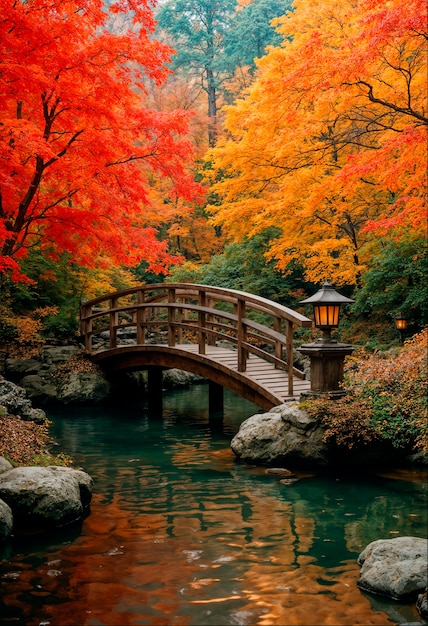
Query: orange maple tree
[(329, 144), (80, 150)]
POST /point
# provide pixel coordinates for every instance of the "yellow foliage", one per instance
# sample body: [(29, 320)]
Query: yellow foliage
[(329, 144)]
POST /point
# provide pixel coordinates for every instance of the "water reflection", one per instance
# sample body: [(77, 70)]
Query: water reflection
[(179, 533)]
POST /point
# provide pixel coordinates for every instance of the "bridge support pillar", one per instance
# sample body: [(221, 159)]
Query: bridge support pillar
[(154, 391), (215, 397)]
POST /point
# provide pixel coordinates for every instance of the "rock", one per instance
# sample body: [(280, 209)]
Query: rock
[(6, 521), (83, 387), (39, 389), (45, 497), (396, 568), (287, 434), (21, 367), (57, 376), (174, 378), (422, 604), (284, 434), (15, 400), (56, 355), (4, 465), (279, 471)]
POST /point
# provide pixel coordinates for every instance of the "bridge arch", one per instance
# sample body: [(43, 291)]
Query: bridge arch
[(237, 340)]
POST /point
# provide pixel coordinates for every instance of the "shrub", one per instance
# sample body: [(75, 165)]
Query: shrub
[(386, 399)]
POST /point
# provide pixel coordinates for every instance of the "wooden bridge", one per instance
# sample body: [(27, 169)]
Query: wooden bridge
[(234, 339)]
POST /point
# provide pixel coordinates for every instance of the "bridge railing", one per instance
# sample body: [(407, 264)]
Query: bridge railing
[(176, 313)]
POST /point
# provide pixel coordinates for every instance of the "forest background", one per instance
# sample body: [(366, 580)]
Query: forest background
[(260, 145)]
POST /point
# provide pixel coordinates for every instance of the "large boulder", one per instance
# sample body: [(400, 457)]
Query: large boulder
[(16, 402), (45, 497), (5, 465), (60, 374), (174, 378), (40, 389), (397, 568), (285, 434), (84, 387)]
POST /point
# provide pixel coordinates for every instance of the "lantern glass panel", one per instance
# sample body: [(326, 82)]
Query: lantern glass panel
[(401, 323), (326, 315)]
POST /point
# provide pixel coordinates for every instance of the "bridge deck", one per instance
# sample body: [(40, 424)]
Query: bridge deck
[(258, 370)]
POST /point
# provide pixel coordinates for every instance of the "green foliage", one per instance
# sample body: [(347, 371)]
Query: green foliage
[(394, 283), (55, 284), (250, 32), (243, 266), (64, 324), (386, 399), (197, 28), (56, 294)]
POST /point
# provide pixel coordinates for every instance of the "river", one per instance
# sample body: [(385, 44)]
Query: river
[(179, 533)]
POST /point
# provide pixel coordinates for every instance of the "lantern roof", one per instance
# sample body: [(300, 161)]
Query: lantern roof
[(327, 295)]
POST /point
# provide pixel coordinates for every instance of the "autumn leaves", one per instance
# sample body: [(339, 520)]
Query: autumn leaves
[(328, 144), (79, 146)]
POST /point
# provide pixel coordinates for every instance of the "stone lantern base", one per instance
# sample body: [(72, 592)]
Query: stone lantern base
[(326, 358)]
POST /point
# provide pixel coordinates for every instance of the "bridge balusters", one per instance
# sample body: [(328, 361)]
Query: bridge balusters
[(86, 326), (241, 336), (289, 354), (141, 317), (277, 325), (180, 321), (171, 318), (114, 322), (202, 335)]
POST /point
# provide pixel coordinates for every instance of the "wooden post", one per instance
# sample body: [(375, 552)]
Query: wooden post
[(154, 390), (114, 322), (141, 316), (277, 326), (289, 355), (86, 326), (171, 318), (210, 321), (202, 335), (180, 328), (242, 337), (215, 397)]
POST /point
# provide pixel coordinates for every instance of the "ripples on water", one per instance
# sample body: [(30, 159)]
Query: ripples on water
[(181, 534)]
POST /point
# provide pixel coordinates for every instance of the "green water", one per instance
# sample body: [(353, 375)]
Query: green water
[(180, 533)]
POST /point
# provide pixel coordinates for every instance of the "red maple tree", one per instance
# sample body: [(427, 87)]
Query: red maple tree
[(80, 151)]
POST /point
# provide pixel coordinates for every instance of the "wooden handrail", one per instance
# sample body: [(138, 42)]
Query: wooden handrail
[(176, 308)]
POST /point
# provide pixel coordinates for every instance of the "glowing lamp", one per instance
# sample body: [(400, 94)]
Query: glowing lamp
[(326, 304), (400, 322)]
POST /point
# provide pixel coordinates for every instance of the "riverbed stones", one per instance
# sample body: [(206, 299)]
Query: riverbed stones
[(6, 521), (396, 568), (422, 604), (41, 498), (285, 434)]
